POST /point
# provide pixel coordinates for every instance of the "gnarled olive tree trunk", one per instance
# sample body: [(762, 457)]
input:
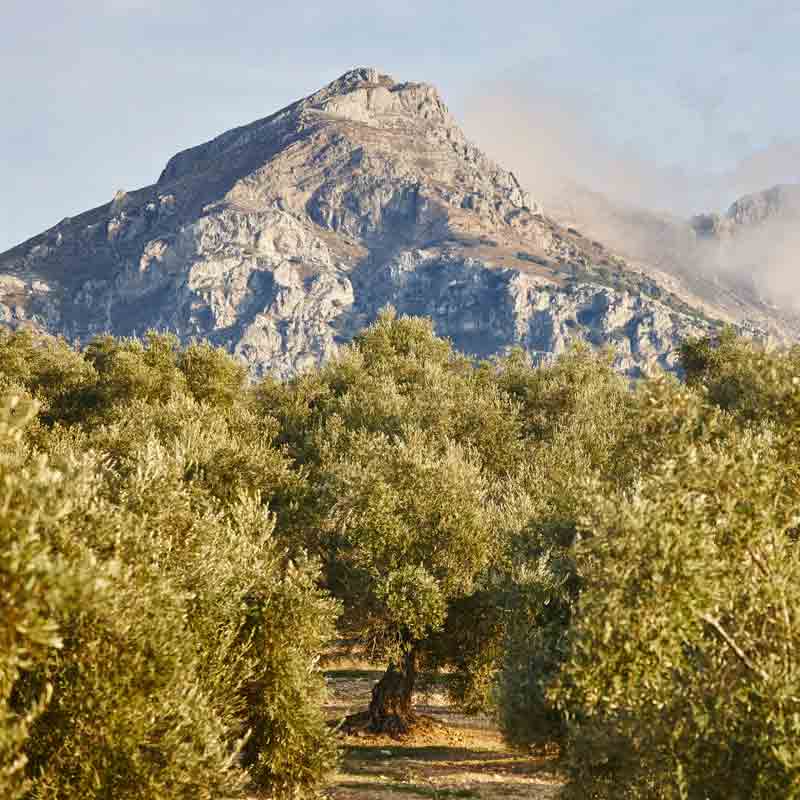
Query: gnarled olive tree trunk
[(390, 708)]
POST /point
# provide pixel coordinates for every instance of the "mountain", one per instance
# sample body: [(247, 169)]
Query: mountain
[(281, 239), (781, 203), (755, 247), (739, 266)]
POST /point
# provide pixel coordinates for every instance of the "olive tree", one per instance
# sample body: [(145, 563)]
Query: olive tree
[(157, 638), (411, 529), (684, 666), (575, 413), (407, 446)]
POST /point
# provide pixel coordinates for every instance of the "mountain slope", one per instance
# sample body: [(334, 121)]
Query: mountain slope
[(754, 247), (739, 266), (282, 238)]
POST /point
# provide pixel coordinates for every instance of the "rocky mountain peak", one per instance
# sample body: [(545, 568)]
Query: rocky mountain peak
[(363, 95), (782, 200), (361, 150), (353, 79), (280, 239), (752, 248), (779, 203), (367, 95)]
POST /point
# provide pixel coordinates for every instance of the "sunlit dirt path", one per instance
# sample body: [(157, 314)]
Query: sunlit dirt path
[(449, 755)]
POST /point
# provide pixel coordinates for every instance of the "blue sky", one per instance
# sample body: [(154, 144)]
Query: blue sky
[(97, 94)]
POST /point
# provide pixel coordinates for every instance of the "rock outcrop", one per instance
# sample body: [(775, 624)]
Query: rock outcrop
[(755, 248), (281, 239), (780, 203)]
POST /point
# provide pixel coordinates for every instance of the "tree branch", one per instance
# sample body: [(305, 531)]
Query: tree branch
[(738, 652)]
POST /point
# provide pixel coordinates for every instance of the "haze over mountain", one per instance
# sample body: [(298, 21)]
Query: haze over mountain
[(282, 238), (646, 211)]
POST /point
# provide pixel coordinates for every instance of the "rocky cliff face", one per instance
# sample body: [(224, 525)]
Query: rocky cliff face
[(755, 247), (282, 238), (781, 203)]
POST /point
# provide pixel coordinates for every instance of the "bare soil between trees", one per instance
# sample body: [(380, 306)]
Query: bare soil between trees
[(447, 755)]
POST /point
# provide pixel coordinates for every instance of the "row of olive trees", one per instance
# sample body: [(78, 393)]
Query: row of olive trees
[(661, 645), (413, 477), (156, 639), (610, 568)]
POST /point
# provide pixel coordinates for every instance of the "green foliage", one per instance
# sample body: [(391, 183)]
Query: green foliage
[(30, 583), (406, 446), (45, 368), (131, 713), (755, 383), (652, 580), (409, 529), (540, 596), (684, 666), (614, 569), (99, 689), (398, 376), (576, 415), (211, 375), (158, 641)]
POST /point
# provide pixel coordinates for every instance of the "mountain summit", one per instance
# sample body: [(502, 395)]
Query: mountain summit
[(282, 238)]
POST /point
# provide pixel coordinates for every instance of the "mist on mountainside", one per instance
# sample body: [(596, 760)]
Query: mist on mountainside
[(637, 206)]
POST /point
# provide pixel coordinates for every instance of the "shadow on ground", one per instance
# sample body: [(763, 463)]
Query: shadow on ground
[(448, 755)]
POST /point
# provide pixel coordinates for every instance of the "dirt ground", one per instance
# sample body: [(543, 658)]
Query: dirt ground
[(447, 756)]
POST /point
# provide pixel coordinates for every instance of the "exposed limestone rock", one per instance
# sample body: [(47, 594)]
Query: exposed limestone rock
[(780, 203), (282, 238), (754, 248)]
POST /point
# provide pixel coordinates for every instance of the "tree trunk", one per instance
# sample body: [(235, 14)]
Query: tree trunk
[(390, 708)]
